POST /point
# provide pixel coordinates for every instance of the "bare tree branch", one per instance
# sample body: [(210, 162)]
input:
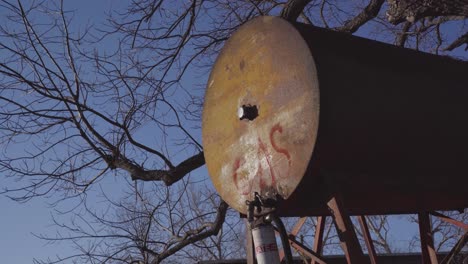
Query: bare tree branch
[(458, 43), (197, 235), (169, 177), (293, 9), (403, 35), (414, 10), (369, 12)]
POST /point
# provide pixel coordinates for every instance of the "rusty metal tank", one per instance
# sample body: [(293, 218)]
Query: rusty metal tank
[(304, 113)]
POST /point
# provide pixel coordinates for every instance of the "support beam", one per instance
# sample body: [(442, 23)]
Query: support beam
[(348, 239), (367, 237), (450, 220), (427, 240), (297, 227), (303, 249), (306, 251), (456, 249), (318, 238)]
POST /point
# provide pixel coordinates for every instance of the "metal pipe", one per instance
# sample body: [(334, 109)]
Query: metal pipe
[(284, 238), (266, 249)]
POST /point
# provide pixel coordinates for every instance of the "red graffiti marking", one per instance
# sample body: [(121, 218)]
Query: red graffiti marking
[(244, 185), (278, 128), (266, 248)]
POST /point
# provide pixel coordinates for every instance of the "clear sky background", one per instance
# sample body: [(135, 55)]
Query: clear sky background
[(18, 221)]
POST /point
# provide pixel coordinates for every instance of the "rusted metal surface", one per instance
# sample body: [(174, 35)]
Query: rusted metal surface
[(306, 251), (392, 129), (318, 238), (295, 230), (456, 249), (368, 239), (450, 220), (346, 233), (272, 70), (297, 227), (393, 126), (427, 240)]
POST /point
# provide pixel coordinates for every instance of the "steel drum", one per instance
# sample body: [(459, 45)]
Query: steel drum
[(298, 113)]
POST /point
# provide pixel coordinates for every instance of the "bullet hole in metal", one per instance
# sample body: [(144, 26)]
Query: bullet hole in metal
[(249, 112)]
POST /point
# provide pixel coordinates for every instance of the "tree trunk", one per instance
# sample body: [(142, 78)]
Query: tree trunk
[(413, 10)]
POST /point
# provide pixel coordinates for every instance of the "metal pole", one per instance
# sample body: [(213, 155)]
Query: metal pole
[(456, 249), (367, 237), (348, 239), (318, 239), (427, 240)]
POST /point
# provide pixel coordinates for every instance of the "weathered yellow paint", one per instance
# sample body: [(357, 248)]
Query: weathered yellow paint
[(265, 63)]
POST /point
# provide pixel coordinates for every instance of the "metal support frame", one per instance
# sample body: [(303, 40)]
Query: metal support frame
[(303, 249), (345, 229), (461, 242), (314, 255), (456, 249), (318, 238), (427, 241), (368, 239), (450, 220), (297, 227), (306, 251), (350, 243)]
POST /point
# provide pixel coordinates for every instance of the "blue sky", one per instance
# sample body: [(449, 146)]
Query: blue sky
[(17, 224), (18, 221)]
